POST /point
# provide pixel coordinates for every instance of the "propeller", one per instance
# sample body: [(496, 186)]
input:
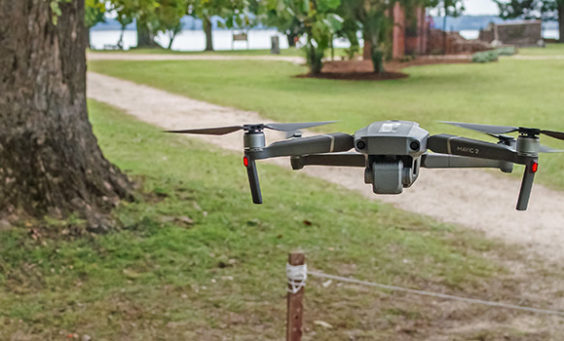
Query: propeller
[(510, 141), (495, 130), (287, 127)]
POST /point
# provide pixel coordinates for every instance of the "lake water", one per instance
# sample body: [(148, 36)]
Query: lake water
[(191, 40)]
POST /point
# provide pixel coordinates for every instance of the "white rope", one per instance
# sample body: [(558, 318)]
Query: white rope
[(297, 275), (439, 295)]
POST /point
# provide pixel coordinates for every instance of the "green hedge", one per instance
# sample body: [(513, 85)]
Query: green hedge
[(492, 55), (485, 57)]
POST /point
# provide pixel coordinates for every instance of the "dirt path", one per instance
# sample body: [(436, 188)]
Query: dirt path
[(472, 198)]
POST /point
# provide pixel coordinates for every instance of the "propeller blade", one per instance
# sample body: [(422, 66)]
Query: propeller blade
[(484, 128), (290, 127), (503, 137), (556, 134), (208, 131), (546, 149)]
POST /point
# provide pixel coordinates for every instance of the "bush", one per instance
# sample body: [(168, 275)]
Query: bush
[(377, 59), (506, 51), (314, 58), (352, 51), (485, 57)]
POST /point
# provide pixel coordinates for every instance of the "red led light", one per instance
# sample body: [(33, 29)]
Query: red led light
[(246, 161), (534, 167)]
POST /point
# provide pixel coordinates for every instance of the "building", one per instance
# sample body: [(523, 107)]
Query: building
[(412, 35), (409, 34)]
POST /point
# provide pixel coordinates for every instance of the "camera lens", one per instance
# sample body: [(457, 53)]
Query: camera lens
[(360, 145), (414, 145)]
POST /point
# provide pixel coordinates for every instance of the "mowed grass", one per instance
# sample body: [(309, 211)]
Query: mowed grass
[(195, 260), (549, 50), (510, 92)]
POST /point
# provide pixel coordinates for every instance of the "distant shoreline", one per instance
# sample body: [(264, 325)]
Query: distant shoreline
[(462, 23)]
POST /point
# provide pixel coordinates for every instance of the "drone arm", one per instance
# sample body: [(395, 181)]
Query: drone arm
[(336, 142), (453, 161), (461, 146), (338, 160), (449, 144)]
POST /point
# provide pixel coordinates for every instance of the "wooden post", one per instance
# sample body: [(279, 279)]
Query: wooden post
[(295, 304)]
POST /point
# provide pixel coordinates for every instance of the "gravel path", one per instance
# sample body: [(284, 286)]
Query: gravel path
[(472, 198)]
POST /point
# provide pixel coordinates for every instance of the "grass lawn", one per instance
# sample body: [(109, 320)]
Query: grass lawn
[(197, 261), (549, 50), (510, 92)]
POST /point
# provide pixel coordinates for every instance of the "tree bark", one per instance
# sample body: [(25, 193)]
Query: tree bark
[(50, 162), (561, 22), (208, 32), (145, 37)]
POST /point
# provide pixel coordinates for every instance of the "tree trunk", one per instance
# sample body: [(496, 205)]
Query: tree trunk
[(120, 41), (169, 47), (50, 162), (561, 22), (208, 31), (145, 37), (291, 39), (445, 34)]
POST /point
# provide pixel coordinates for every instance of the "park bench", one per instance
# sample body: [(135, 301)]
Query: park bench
[(111, 47)]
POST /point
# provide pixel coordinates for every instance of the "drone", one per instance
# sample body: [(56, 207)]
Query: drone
[(392, 152)]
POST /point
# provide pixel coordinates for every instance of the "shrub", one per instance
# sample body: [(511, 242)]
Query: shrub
[(485, 57), (506, 51)]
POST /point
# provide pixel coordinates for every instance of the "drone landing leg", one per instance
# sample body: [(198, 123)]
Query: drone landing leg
[(527, 185), (253, 179)]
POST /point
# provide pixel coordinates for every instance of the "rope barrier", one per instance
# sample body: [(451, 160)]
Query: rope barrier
[(297, 275), (438, 295)]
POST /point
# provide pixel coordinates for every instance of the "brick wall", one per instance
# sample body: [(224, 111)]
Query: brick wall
[(526, 33)]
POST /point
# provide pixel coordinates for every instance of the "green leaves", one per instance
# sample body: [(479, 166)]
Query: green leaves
[(327, 5), (317, 19), (56, 10), (94, 12)]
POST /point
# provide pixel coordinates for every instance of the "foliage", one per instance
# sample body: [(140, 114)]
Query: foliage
[(371, 17), (485, 56), (169, 14), (450, 8), (94, 12), (56, 10), (316, 19), (506, 51), (153, 16), (529, 9)]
